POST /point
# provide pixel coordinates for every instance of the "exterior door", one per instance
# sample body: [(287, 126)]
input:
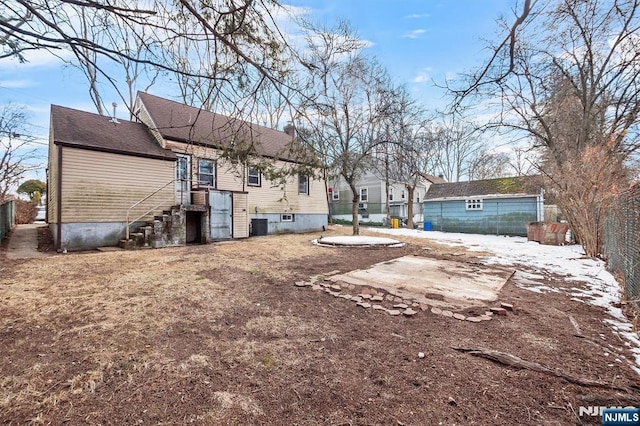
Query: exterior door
[(220, 209), (183, 179), (240, 219)]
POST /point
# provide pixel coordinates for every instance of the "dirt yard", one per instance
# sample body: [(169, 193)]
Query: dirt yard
[(219, 334)]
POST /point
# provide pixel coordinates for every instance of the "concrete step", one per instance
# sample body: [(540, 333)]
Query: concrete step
[(129, 244), (138, 237)]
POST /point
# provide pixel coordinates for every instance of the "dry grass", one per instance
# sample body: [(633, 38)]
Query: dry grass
[(217, 334), (112, 313)]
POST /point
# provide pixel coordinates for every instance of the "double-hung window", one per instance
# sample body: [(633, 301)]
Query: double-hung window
[(303, 184), (207, 173), (364, 195), (254, 177)]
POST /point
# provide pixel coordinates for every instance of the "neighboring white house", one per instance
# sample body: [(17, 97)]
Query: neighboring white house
[(373, 207)]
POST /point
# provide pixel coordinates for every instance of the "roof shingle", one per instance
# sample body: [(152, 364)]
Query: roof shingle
[(500, 186), (85, 130), (184, 123)]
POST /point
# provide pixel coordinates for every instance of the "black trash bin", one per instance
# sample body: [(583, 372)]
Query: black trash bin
[(258, 227)]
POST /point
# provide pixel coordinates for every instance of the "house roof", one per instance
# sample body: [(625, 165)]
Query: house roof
[(85, 130), (501, 186), (184, 123), (433, 179)]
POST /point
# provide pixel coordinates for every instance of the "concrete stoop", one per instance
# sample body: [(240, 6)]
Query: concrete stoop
[(166, 230)]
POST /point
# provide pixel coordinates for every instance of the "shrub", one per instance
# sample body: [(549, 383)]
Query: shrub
[(26, 211)]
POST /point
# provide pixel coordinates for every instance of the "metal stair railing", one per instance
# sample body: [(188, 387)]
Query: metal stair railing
[(182, 194), (129, 222)]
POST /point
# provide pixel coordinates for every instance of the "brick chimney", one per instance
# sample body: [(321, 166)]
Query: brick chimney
[(290, 129)]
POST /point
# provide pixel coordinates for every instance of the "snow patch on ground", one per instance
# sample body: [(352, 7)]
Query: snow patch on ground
[(532, 282), (565, 261), (356, 241)]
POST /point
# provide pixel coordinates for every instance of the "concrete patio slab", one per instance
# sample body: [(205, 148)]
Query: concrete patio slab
[(436, 282)]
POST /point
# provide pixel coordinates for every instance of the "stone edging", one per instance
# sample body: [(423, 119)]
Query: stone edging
[(373, 299)]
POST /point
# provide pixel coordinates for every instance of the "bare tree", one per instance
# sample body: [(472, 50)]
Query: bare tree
[(91, 25), (16, 152), (457, 142), (567, 76), (241, 35), (488, 165), (523, 161), (349, 103), (409, 146)]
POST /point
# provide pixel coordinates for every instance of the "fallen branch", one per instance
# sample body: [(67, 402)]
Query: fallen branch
[(576, 326), (519, 363)]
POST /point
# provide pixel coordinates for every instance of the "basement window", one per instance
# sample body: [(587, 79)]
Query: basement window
[(286, 217), (473, 204)]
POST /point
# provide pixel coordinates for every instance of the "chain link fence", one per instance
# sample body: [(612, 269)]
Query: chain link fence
[(374, 213), (7, 218), (622, 242)]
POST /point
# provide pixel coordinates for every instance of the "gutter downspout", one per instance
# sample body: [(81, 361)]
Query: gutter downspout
[(59, 201)]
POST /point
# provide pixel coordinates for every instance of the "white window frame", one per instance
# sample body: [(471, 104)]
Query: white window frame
[(403, 194), (390, 194), (473, 204), (364, 196), (249, 175), (335, 194), (213, 174), (287, 217), (303, 178)]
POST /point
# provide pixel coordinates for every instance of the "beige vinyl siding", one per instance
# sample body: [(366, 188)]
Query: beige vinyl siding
[(100, 187), (228, 176), (52, 181), (267, 197), (285, 198), (240, 222)]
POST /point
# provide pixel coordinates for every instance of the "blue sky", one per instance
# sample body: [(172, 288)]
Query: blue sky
[(418, 41)]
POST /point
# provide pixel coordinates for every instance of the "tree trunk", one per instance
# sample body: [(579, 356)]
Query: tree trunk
[(410, 191), (326, 192), (586, 225), (354, 207), (387, 183), (387, 207)]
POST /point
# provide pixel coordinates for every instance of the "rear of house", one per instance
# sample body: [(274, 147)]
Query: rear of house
[(494, 206), (97, 169), (165, 181), (294, 202)]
